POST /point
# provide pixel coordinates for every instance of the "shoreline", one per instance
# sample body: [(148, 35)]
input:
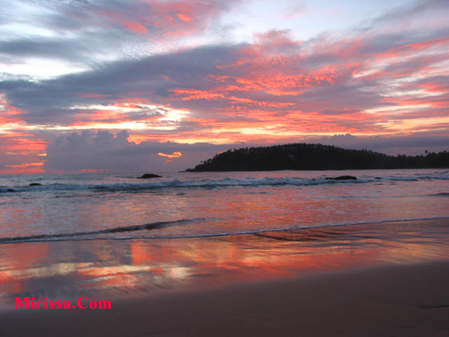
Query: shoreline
[(121, 269), (395, 299), (74, 237)]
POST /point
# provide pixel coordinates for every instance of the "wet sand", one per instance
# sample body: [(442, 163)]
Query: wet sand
[(389, 300)]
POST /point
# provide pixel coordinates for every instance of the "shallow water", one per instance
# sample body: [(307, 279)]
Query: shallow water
[(112, 269)]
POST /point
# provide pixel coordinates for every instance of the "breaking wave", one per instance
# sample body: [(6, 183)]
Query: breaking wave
[(211, 183), (149, 226)]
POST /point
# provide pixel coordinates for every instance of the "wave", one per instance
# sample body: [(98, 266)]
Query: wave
[(83, 236), (211, 183), (149, 226)]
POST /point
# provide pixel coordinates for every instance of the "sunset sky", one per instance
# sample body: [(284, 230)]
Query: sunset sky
[(132, 86)]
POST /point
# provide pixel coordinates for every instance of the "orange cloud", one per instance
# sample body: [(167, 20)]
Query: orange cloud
[(88, 171), (134, 26), (184, 17), (173, 155), (22, 142), (164, 19), (25, 168), (413, 47), (8, 112), (192, 94), (25, 165)]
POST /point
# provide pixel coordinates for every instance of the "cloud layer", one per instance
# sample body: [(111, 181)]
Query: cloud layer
[(161, 71)]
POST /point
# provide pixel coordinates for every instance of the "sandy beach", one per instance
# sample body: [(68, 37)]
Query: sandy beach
[(392, 300)]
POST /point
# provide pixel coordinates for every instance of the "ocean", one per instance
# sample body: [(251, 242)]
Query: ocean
[(115, 234)]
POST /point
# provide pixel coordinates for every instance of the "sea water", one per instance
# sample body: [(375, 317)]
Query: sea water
[(108, 235), (93, 206)]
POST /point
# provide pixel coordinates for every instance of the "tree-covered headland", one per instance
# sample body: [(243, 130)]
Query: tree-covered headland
[(315, 157)]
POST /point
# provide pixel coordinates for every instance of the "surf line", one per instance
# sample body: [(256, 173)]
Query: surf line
[(149, 226)]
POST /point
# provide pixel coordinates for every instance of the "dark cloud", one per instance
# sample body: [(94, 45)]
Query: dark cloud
[(418, 10), (104, 150), (50, 101), (87, 31)]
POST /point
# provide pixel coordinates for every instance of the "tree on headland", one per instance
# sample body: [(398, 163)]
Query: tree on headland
[(315, 157)]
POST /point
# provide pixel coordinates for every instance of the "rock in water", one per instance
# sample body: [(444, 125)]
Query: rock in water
[(342, 178), (149, 175), (35, 184)]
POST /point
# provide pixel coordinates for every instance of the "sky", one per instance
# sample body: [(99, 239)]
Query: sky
[(143, 86)]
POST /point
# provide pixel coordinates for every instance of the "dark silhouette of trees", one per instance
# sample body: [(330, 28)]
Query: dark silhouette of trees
[(315, 157)]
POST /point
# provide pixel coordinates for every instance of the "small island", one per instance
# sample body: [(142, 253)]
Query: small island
[(303, 156)]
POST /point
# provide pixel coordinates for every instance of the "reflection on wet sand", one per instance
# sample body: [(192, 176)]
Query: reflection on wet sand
[(136, 267)]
